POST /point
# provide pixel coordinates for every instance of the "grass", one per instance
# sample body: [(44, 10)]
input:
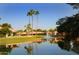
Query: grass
[(19, 39)]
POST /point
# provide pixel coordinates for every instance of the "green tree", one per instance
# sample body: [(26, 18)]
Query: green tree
[(29, 28), (50, 30), (74, 5), (70, 26), (4, 50), (5, 29), (28, 14)]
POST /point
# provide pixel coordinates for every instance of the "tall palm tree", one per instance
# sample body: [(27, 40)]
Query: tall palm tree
[(28, 14), (0, 24), (0, 18), (31, 13), (37, 13)]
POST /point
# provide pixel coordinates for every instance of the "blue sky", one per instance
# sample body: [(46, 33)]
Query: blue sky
[(16, 14)]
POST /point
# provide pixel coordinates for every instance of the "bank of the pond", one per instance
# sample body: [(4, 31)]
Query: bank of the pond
[(20, 39)]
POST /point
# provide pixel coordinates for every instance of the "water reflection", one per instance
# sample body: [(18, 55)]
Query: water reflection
[(6, 49), (29, 48), (69, 46), (53, 46), (76, 47), (64, 45)]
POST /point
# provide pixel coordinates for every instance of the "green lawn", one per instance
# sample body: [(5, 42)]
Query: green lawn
[(19, 39)]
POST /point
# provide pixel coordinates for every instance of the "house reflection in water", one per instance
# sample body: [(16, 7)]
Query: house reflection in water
[(6, 49)]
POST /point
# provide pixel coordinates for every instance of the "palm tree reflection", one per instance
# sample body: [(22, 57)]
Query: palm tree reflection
[(29, 49)]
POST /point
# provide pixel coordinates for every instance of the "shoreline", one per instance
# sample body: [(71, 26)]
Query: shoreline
[(21, 39)]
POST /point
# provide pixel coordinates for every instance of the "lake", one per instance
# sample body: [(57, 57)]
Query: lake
[(39, 48)]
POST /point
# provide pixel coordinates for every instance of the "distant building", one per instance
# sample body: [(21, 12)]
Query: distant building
[(13, 31), (29, 33)]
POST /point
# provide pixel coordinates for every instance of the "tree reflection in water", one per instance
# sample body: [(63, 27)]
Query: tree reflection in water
[(69, 45), (4, 50), (64, 45), (29, 48), (76, 47)]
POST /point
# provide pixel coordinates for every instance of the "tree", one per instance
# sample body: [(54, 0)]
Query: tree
[(70, 26), (28, 14), (5, 29), (50, 30), (0, 18), (31, 13), (6, 25), (4, 50), (29, 28), (37, 13), (39, 30), (20, 31), (74, 5)]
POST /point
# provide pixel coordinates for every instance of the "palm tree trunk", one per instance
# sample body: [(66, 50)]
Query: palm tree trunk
[(37, 21), (32, 24), (37, 26), (29, 19)]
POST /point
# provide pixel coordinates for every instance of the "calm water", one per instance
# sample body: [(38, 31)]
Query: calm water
[(39, 48)]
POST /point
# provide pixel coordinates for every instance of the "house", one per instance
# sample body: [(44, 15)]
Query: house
[(13, 31)]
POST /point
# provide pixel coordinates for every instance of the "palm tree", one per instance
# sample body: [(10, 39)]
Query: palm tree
[(31, 13), (0, 24), (28, 14), (37, 13), (29, 49), (0, 18)]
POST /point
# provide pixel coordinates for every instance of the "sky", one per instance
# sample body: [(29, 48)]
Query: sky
[(50, 13)]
